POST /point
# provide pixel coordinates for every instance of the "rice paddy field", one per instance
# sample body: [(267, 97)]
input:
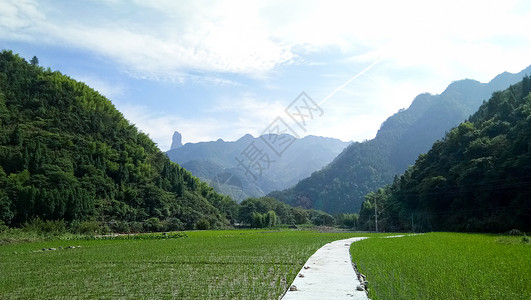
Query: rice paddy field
[(445, 266), (258, 264), (232, 264)]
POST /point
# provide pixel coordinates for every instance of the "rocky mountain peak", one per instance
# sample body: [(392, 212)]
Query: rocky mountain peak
[(176, 141)]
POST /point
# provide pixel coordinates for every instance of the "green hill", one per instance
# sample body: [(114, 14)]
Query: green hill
[(67, 153), (362, 167), (478, 178)]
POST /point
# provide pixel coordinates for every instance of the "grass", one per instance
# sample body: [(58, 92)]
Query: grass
[(231, 264), (445, 266)]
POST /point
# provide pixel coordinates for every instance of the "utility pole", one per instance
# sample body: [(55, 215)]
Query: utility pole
[(375, 215), (412, 224)]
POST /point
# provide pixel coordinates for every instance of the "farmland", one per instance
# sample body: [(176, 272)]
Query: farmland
[(446, 266), (232, 264), (259, 264)]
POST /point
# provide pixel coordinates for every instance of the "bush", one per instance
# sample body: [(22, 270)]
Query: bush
[(3, 226), (153, 225), (514, 232), (89, 227), (348, 220), (48, 227), (525, 239), (121, 227), (173, 224), (136, 227), (202, 224)]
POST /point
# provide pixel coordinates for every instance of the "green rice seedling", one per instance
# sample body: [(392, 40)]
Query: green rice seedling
[(226, 264), (445, 266)]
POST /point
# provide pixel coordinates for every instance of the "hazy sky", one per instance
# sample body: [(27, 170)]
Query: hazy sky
[(220, 69)]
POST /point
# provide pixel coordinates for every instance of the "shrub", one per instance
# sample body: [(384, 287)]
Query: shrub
[(202, 224), (525, 239), (136, 227), (153, 225), (121, 227), (3, 226), (48, 227), (173, 224), (514, 232), (89, 227)]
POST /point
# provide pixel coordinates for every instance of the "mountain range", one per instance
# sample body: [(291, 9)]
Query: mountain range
[(226, 165), (362, 167)]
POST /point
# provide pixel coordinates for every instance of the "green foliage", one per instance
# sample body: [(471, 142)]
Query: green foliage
[(86, 227), (268, 212), (444, 266), (348, 221), (320, 218), (67, 154), (525, 239), (3, 227), (203, 224), (363, 167), (143, 236), (48, 227), (267, 220), (475, 179), (153, 225)]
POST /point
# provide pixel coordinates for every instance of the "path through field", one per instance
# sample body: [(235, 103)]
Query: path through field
[(328, 274)]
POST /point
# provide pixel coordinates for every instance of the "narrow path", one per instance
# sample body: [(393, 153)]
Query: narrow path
[(328, 274)]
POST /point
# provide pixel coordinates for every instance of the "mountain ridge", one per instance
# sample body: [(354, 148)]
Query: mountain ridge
[(300, 158), (362, 167), (475, 179)]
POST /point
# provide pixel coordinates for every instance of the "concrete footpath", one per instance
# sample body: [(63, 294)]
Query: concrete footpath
[(328, 274)]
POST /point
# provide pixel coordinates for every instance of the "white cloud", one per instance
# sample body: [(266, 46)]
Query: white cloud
[(426, 46), (172, 39)]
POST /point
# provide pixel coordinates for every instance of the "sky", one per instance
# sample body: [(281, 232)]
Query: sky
[(221, 69)]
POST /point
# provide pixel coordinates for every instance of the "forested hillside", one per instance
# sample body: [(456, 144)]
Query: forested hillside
[(363, 167), (67, 153), (478, 178)]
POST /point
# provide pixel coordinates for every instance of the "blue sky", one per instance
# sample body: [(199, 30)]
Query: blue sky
[(221, 69)]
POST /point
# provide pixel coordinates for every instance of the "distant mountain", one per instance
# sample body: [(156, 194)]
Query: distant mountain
[(67, 154), (217, 162), (362, 167), (477, 178)]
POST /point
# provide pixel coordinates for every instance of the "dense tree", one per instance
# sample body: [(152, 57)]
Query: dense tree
[(267, 212), (67, 153), (34, 61), (475, 179), (362, 167)]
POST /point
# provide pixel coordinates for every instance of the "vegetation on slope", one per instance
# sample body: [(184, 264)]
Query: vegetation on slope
[(476, 179), (363, 167), (67, 153)]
